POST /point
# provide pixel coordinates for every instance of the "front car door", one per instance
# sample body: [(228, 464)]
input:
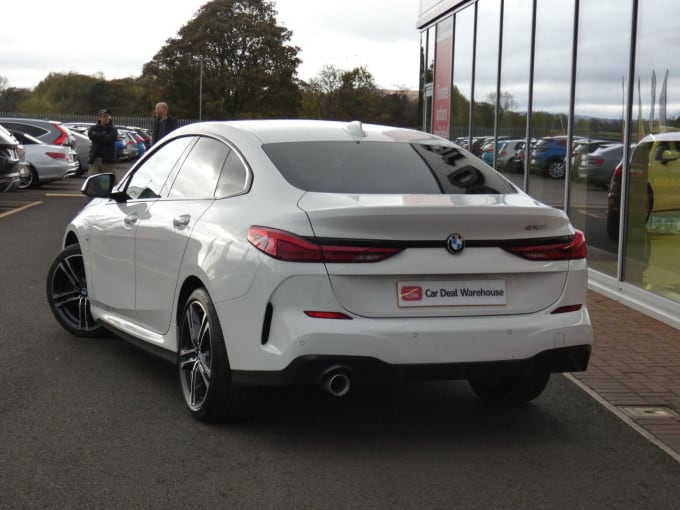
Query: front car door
[(111, 239)]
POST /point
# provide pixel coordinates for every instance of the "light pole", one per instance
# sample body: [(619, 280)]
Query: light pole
[(200, 88), (200, 94)]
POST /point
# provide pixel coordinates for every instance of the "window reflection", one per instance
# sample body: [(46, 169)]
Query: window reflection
[(551, 94), (486, 68), (599, 107), (462, 76), (653, 229), (513, 105)]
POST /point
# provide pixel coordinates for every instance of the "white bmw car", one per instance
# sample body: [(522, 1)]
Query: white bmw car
[(313, 252)]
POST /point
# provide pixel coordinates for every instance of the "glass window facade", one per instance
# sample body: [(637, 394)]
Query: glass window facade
[(578, 103)]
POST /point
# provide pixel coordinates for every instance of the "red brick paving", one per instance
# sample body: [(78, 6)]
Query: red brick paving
[(635, 363)]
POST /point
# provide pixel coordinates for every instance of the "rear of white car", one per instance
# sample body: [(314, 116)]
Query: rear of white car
[(365, 282), (326, 253)]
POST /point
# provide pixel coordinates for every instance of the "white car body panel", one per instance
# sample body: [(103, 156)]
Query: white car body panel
[(140, 253)]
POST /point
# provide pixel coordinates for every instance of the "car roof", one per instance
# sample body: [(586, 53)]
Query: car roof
[(673, 136), (295, 130)]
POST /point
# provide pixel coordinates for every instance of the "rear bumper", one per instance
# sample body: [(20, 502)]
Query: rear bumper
[(311, 369)]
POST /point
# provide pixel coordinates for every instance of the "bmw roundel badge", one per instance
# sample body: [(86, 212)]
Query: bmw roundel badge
[(455, 243)]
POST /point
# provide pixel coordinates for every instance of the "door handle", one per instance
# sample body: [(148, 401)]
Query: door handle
[(181, 221), (131, 219)]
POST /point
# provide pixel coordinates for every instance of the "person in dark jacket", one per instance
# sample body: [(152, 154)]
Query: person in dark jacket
[(103, 151), (163, 124)]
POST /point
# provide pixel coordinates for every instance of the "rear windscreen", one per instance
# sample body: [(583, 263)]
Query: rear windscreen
[(384, 168)]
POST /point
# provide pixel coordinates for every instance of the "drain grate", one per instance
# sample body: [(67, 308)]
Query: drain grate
[(648, 411)]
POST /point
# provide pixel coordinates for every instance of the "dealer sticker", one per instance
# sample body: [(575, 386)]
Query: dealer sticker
[(452, 293)]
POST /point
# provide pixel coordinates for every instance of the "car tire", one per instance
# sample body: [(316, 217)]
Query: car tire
[(67, 294), (511, 389), (204, 371), (556, 170), (613, 225), (32, 181)]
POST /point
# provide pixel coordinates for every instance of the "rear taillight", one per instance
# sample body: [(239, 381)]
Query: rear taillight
[(62, 139), (597, 162), (575, 248), (289, 247), (57, 155)]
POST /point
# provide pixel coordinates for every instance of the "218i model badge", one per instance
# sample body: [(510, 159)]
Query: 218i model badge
[(455, 243)]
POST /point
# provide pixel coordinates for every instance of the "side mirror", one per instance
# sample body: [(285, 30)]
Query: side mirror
[(669, 155), (98, 185)]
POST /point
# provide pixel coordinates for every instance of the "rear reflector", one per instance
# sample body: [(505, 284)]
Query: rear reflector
[(57, 155), (573, 249), (567, 308), (289, 247), (327, 315)]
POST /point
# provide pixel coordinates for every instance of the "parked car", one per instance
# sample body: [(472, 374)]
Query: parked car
[(583, 147), (145, 134), (506, 152), (9, 162), (547, 157), (83, 145), (79, 127), (327, 253), (597, 167), (48, 131), (130, 141), (654, 182), (46, 163), (487, 152)]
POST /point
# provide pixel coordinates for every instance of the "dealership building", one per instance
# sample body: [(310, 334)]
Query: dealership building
[(556, 73)]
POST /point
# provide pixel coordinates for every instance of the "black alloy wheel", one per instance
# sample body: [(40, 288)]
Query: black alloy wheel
[(204, 372), (67, 294)]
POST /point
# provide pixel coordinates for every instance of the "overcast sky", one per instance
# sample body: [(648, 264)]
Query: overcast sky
[(116, 39)]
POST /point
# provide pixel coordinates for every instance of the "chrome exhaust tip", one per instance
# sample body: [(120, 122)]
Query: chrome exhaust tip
[(336, 382)]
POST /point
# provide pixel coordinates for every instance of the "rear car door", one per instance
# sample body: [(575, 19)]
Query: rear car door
[(163, 233)]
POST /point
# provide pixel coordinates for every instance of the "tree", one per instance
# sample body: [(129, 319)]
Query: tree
[(12, 97), (248, 69), (335, 94)]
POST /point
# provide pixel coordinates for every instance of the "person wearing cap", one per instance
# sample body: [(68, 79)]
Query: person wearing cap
[(103, 151), (163, 124)]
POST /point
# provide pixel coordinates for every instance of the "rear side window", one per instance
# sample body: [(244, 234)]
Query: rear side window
[(26, 128), (199, 173), (384, 168), (149, 181)]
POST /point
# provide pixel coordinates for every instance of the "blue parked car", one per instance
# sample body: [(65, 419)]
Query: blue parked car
[(487, 152), (548, 155)]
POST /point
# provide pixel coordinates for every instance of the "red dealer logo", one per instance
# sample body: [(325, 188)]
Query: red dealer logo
[(411, 293)]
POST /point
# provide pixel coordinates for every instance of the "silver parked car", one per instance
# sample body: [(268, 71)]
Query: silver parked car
[(83, 144), (598, 166), (46, 163), (48, 131)]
